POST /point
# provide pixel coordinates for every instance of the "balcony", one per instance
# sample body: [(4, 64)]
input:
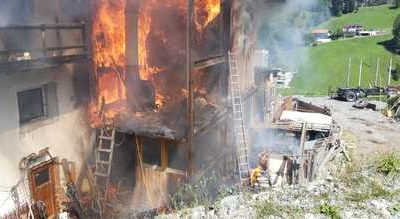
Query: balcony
[(24, 47)]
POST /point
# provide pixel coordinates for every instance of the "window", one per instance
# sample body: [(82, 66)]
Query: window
[(31, 105), (151, 151), (42, 177), (37, 103)]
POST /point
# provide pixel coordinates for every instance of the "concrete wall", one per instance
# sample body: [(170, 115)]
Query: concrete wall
[(67, 135)]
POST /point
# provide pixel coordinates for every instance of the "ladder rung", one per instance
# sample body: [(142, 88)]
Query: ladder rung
[(104, 150), (101, 174), (110, 138), (103, 162)]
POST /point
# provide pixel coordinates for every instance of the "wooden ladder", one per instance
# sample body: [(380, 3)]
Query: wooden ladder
[(238, 120), (103, 160)]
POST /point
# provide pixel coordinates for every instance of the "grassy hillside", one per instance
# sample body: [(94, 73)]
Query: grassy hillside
[(379, 17), (327, 64)]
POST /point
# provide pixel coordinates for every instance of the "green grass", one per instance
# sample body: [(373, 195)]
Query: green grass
[(266, 208), (379, 17), (327, 65)]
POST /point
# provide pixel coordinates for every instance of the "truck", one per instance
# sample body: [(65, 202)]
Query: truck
[(352, 94)]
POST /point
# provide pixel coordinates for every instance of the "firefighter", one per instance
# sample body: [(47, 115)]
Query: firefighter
[(260, 176)]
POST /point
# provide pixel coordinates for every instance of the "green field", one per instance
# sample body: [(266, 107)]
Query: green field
[(378, 17), (327, 65)]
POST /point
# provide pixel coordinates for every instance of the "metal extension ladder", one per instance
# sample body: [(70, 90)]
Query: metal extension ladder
[(103, 159), (238, 120)]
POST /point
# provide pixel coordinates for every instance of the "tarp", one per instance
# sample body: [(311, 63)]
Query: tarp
[(310, 118)]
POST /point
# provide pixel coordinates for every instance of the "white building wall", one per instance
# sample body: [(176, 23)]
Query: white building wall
[(67, 135)]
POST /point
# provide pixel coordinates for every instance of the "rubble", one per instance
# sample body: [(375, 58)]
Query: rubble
[(303, 201)]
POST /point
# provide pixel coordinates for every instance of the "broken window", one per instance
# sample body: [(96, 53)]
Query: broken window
[(37, 103), (42, 177), (151, 151)]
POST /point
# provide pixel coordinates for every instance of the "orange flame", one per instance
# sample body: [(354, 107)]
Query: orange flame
[(108, 41), (205, 12), (111, 88), (109, 33)]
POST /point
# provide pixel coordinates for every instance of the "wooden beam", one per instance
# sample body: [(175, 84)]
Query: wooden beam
[(44, 26), (190, 88), (208, 62), (302, 158)]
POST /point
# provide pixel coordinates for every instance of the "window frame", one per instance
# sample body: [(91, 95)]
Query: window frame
[(164, 167), (43, 106)]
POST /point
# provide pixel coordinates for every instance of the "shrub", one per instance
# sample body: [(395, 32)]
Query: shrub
[(329, 210), (389, 164), (337, 34), (265, 208)]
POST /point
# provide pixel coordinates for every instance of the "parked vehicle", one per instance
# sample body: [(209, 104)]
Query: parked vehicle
[(353, 94)]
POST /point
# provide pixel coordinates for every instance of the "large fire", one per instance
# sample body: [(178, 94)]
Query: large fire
[(108, 39), (205, 12), (108, 42), (161, 46)]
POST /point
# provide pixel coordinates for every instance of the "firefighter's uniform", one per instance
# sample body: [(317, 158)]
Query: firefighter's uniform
[(260, 177)]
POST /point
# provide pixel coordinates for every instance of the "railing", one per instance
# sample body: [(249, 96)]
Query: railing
[(46, 43)]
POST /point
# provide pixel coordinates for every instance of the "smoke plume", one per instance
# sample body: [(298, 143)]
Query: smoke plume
[(284, 26)]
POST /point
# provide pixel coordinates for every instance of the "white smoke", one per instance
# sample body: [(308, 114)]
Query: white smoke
[(283, 27)]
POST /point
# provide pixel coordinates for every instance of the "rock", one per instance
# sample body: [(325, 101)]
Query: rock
[(379, 204), (198, 212), (228, 204)]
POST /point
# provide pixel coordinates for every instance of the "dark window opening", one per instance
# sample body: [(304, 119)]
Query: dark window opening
[(176, 156), (38, 103), (42, 177), (31, 105), (151, 151)]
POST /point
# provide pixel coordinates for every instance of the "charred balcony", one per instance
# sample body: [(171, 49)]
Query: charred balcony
[(26, 47)]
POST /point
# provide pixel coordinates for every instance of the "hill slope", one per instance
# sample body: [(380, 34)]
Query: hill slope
[(327, 64)]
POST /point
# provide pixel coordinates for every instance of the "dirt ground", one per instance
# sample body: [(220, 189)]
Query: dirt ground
[(367, 133)]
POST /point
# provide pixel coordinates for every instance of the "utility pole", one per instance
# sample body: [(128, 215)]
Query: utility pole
[(377, 72), (348, 74), (390, 71), (359, 74)]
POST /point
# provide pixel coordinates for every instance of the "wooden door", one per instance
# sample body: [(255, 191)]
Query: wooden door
[(42, 181)]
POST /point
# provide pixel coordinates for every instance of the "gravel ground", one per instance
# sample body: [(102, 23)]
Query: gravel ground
[(368, 133)]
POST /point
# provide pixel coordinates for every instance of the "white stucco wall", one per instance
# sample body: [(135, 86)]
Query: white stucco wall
[(67, 135)]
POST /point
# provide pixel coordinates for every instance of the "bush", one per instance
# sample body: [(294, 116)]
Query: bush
[(266, 208), (389, 164), (329, 210), (396, 72), (337, 34)]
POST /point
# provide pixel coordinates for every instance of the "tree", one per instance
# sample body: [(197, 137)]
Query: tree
[(396, 3), (396, 31), (349, 6), (338, 33), (337, 7)]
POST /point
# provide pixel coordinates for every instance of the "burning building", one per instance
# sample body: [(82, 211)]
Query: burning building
[(161, 87), (146, 95), (137, 89)]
